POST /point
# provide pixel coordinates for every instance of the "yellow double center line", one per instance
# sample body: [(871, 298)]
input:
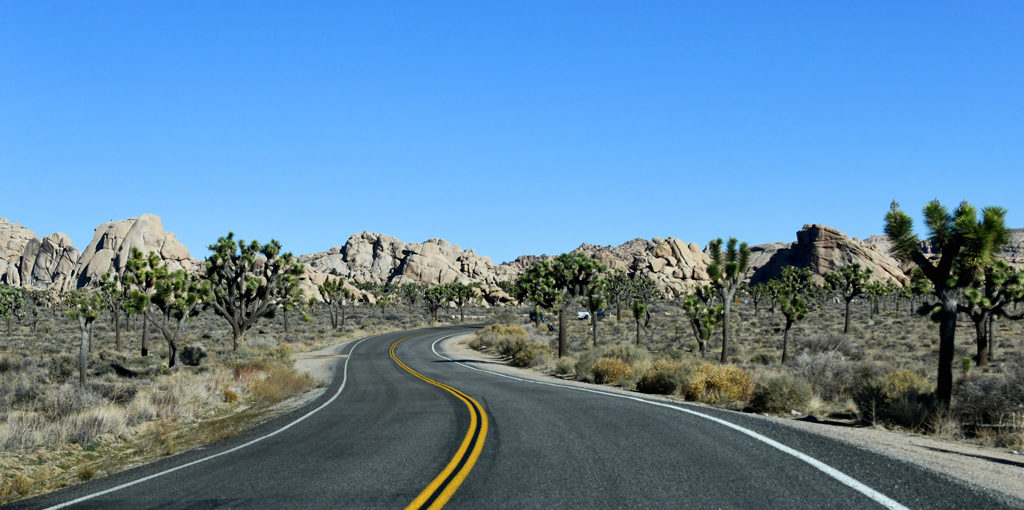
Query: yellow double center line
[(443, 486)]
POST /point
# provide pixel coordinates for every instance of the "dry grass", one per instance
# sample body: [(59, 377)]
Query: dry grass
[(54, 432)]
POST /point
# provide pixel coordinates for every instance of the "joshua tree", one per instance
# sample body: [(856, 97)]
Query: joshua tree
[(703, 315), (573, 274), (988, 298), (335, 294), (965, 245), (410, 293), (537, 285), (848, 282), (115, 296), (619, 288), (12, 299), (595, 300), (875, 291), (177, 298), (435, 297), (726, 276), (639, 310), (139, 279), (792, 290), (249, 281), (462, 294), (85, 306), (757, 292)]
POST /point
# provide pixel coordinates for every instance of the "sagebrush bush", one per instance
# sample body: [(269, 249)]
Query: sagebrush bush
[(903, 398), (717, 384), (829, 373), (829, 343), (565, 366), (662, 378), (609, 370), (530, 354), (780, 394), (281, 384), (494, 334)]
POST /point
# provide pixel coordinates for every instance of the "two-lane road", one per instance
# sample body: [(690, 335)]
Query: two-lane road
[(401, 424)]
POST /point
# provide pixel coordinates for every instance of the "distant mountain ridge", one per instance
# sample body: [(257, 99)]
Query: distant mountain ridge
[(52, 262)]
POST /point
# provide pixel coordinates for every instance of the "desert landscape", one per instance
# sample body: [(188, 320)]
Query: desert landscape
[(639, 325)]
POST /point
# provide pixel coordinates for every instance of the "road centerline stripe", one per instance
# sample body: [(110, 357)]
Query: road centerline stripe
[(444, 485)]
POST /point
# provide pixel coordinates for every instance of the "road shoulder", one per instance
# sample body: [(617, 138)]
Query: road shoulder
[(994, 469)]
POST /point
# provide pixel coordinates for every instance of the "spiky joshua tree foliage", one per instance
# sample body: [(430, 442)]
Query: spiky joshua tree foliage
[(965, 246), (573, 274), (703, 315), (848, 282), (249, 281), (726, 276)]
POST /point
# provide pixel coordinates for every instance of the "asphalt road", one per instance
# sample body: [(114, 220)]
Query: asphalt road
[(402, 425)]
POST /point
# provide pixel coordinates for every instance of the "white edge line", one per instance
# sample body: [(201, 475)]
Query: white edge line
[(225, 452), (843, 478)]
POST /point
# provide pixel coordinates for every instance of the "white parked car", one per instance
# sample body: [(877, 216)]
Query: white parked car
[(583, 316)]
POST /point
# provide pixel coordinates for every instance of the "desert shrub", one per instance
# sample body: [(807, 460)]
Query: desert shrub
[(22, 430), (626, 351), (764, 358), (565, 366), (662, 378), (781, 394), (230, 396), (494, 334), (716, 384), (530, 354), (609, 370), (902, 398), (85, 427), (116, 393), (830, 343), (11, 364), (585, 362), (65, 400), (982, 399), (62, 368), (281, 384), (829, 373)]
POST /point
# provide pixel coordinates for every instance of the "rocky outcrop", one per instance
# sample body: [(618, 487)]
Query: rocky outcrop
[(824, 250), (674, 265), (32, 262), (112, 243), (1013, 251), (378, 258)]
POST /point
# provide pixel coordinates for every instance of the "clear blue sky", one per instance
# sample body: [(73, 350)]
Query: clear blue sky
[(506, 127)]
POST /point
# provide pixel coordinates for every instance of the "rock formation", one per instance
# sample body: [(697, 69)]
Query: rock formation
[(112, 243), (378, 258), (52, 262), (823, 250), (32, 262)]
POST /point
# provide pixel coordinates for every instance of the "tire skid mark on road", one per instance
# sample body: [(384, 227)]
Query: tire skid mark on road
[(444, 485), (838, 475)]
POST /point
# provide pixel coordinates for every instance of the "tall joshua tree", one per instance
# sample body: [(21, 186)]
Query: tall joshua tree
[(849, 283), (85, 306), (596, 299), (573, 275), (536, 285), (335, 294), (115, 295), (965, 245), (140, 279), (794, 292), (726, 276), (703, 315), (178, 297), (988, 298), (249, 281)]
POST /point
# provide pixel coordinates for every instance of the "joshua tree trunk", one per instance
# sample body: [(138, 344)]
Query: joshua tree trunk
[(947, 332), (593, 324), (726, 307), (285, 312), (117, 332), (637, 330), (83, 350), (785, 340), (536, 316), (981, 331), (846, 319), (563, 326), (145, 332), (991, 336), (90, 335)]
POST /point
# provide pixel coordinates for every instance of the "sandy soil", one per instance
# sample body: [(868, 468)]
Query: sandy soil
[(993, 468), (318, 363)]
